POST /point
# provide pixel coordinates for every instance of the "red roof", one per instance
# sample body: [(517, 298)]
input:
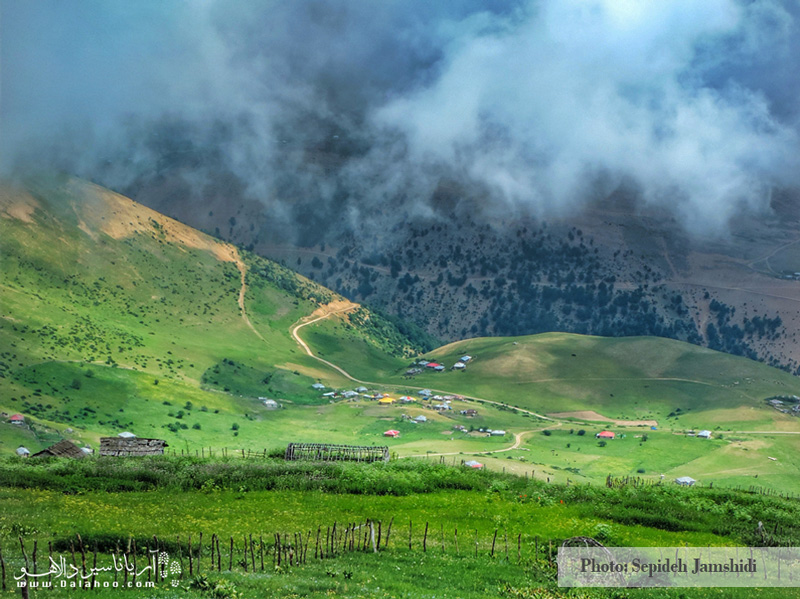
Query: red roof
[(606, 435), (391, 433), (432, 365), (16, 417)]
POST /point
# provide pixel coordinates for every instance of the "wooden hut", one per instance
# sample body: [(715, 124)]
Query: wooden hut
[(327, 452), (131, 447), (62, 449)]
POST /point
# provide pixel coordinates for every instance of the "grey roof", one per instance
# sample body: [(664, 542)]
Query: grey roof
[(126, 435), (62, 449), (23, 451)]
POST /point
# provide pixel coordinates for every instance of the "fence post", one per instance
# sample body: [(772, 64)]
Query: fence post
[(493, 541), (455, 538), (425, 539), (2, 567), (388, 532), (230, 557)]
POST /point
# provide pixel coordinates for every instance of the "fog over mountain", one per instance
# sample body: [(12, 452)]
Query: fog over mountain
[(356, 112)]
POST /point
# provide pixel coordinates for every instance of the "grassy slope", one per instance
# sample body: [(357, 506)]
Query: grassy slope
[(109, 310), (623, 378)]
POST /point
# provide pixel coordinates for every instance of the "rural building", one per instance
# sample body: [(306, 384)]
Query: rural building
[(420, 419), (685, 481), (473, 464), (62, 449), (87, 450), (465, 359), (470, 412), (407, 399), (426, 393), (361, 389), (605, 435), (271, 404), (126, 435), (131, 447), (325, 452), (391, 433), (350, 394), (704, 434), (423, 362), (17, 419), (459, 366), (23, 452), (438, 368), (318, 386), (498, 433), (386, 401), (432, 365), (459, 427)]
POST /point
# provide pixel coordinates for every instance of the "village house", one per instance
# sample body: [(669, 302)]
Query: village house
[(473, 464), (497, 433), (685, 481), (459, 366), (392, 433), (386, 401), (62, 449), (361, 389), (318, 386), (704, 434), (465, 359), (605, 435), (420, 418), (426, 393), (270, 404), (469, 412), (17, 419), (350, 394), (126, 435), (23, 452)]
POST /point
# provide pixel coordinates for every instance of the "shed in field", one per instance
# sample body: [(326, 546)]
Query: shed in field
[(23, 452), (685, 481), (135, 447), (62, 449), (605, 435)]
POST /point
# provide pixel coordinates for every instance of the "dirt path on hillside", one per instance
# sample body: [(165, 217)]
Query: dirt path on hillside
[(237, 260), (593, 416), (516, 444), (339, 307)]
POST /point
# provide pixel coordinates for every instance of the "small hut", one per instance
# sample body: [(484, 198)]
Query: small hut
[(23, 452), (131, 447), (62, 449)]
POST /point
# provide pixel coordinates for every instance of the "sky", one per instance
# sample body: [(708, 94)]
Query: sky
[(355, 106)]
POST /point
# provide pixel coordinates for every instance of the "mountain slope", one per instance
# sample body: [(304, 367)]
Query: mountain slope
[(111, 311)]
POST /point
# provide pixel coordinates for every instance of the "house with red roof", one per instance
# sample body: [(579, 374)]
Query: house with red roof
[(392, 433), (605, 435), (17, 419)]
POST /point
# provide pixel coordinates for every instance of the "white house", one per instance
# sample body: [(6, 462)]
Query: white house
[(420, 418), (126, 435), (318, 386), (466, 359), (704, 434), (498, 433), (685, 481), (23, 452), (271, 404)]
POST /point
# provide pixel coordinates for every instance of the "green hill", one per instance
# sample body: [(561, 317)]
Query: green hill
[(115, 317)]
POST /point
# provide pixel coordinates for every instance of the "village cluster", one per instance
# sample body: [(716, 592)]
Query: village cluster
[(421, 365)]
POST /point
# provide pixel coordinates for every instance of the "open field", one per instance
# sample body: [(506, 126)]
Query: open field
[(499, 529)]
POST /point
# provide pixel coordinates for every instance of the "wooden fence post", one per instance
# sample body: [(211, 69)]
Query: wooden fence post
[(409, 533), (388, 532), (230, 557), (425, 539), (455, 538), (476, 542), (2, 568), (493, 541)]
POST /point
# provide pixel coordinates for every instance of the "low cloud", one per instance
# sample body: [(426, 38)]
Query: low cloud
[(362, 109)]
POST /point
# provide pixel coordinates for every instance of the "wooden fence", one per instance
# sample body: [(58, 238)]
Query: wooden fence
[(256, 552)]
